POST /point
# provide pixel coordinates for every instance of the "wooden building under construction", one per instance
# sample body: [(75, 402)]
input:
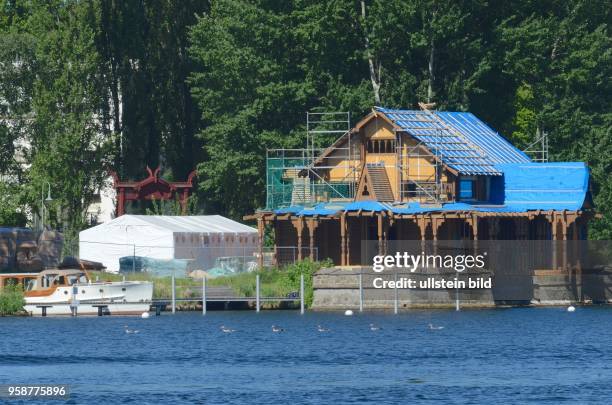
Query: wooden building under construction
[(415, 175)]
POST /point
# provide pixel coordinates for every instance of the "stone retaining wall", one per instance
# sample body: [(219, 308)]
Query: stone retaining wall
[(337, 288)]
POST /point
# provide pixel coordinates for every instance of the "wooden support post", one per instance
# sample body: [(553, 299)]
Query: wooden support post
[(312, 225), (348, 244), (260, 231), (434, 229), (299, 226), (121, 202), (555, 238), (574, 241), (343, 261), (387, 223), (564, 227), (423, 229)]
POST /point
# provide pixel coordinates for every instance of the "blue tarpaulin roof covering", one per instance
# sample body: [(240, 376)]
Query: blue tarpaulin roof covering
[(461, 140), (523, 187)]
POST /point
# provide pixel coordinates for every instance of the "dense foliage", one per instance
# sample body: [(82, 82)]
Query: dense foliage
[(11, 300), (93, 84)]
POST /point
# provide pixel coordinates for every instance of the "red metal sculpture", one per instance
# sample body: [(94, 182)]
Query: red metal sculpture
[(152, 188)]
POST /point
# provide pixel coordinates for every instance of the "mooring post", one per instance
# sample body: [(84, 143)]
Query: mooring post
[(302, 294), (173, 294), (203, 295), (395, 303), (257, 293), (360, 291), (457, 299)]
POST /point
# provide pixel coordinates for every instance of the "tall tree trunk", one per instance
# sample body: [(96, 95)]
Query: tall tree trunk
[(431, 71), (374, 76)]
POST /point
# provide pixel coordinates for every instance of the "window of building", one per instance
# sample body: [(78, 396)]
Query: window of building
[(466, 189), (381, 146)]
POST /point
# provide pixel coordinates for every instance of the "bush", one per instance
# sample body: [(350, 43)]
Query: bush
[(291, 276), (11, 300)]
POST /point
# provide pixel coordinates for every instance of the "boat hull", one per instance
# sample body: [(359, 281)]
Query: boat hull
[(117, 298)]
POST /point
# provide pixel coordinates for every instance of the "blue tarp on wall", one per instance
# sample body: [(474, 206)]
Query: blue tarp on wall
[(523, 187), (546, 186)]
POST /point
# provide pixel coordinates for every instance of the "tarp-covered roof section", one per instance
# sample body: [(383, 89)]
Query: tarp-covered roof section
[(463, 142), (523, 187), (545, 186)]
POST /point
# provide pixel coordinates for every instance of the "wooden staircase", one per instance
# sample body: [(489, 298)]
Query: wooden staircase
[(380, 183)]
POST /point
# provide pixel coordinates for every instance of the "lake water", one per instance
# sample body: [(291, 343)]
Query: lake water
[(481, 356)]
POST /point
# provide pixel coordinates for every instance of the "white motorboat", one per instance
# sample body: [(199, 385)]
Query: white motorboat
[(68, 291)]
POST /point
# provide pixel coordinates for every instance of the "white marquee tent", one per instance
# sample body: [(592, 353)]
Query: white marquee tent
[(199, 238)]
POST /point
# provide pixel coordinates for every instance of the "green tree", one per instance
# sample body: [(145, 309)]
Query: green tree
[(260, 66), (144, 61), (525, 117), (561, 51), (53, 101)]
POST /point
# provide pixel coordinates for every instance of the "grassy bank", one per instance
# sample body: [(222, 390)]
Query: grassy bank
[(274, 282), (11, 301)]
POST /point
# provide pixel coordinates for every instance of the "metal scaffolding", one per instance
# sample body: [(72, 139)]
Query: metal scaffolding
[(538, 149), (302, 176)]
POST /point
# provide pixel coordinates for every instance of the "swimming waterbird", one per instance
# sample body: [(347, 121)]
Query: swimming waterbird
[(322, 329), (374, 327), (432, 327), (225, 329), (130, 331), (277, 329)]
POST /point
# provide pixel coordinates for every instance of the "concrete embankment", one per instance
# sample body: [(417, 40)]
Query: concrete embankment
[(338, 288)]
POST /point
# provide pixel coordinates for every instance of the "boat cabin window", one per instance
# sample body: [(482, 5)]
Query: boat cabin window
[(46, 281), (77, 278), (59, 280), (30, 284), (10, 281)]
